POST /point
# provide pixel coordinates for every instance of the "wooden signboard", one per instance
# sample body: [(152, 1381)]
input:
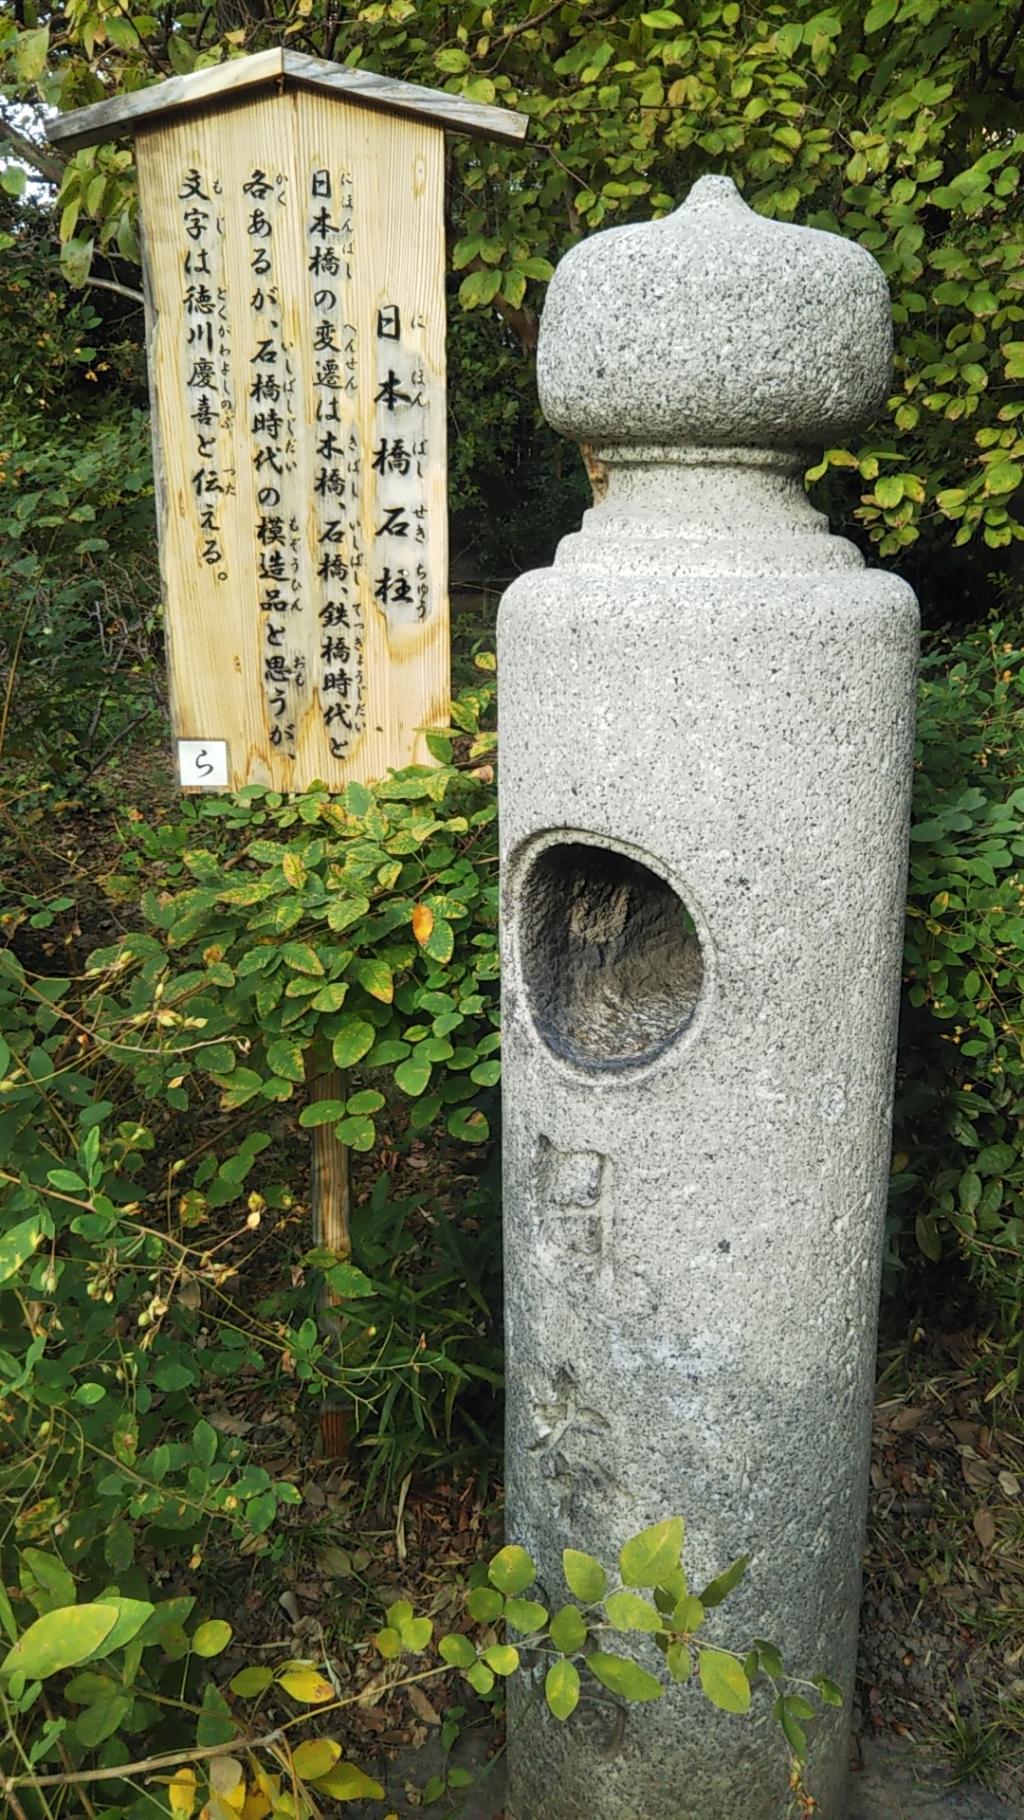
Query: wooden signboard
[(292, 218)]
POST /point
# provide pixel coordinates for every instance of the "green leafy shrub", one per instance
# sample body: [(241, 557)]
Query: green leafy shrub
[(78, 571), (250, 1759), (959, 1167)]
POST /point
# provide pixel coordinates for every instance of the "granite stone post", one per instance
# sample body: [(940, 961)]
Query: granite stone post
[(707, 710)]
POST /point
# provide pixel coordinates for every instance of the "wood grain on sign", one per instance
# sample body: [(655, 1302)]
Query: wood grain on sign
[(294, 266)]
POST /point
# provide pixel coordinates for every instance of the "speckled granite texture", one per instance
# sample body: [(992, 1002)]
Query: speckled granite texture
[(707, 721)]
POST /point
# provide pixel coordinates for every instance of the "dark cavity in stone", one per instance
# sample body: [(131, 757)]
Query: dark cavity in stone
[(611, 960)]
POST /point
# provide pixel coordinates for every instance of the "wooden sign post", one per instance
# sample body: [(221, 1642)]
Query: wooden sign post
[(292, 216)]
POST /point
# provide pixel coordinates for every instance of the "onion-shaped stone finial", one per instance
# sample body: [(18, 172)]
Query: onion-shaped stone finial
[(714, 327)]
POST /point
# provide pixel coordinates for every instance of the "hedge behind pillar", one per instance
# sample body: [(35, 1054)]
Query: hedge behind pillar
[(707, 722)]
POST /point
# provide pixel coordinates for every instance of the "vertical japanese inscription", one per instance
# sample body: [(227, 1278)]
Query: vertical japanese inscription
[(206, 362), (400, 576), (273, 432), (337, 482)]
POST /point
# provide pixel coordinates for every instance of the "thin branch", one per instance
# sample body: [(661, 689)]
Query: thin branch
[(122, 290), (144, 1767), (48, 164)]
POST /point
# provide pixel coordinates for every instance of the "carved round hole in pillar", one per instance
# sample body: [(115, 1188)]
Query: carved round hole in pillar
[(610, 956)]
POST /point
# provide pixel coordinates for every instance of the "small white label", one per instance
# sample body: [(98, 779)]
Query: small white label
[(203, 762)]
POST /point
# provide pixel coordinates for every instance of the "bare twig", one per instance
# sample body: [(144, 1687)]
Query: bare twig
[(122, 290)]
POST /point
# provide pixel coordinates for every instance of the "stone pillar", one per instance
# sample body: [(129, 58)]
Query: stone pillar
[(707, 711)]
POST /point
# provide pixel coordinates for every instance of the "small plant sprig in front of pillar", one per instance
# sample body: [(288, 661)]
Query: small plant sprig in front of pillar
[(652, 1596)]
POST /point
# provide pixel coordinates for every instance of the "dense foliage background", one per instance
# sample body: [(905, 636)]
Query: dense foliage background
[(169, 969)]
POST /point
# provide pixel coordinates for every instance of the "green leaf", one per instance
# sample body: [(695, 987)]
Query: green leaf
[(623, 1677), (469, 1126), (416, 1634), (830, 1693), (562, 1689), (792, 1730), (627, 1611), (389, 1643), (59, 1639), (724, 1681), (688, 1614), (129, 1617), (102, 1720), (503, 1658), (568, 1630), (216, 1724), (584, 1576), (18, 1245), (412, 1075), (251, 1681), (880, 14), (358, 1134), (995, 1159), (352, 1042), (456, 1650), (358, 797), (512, 1570), (212, 1637), (485, 1604), (526, 1615), (30, 51), (348, 1281), (480, 1677), (369, 1100), (45, 1581), (720, 1588), (322, 1112), (646, 1558)]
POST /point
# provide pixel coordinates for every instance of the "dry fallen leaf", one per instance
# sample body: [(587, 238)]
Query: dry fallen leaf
[(985, 1527), (422, 1706), (906, 1419)]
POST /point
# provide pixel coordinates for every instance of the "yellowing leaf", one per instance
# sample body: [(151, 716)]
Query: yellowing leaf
[(646, 1558), (724, 1681), (18, 1245), (562, 1689), (181, 1792), (212, 1637), (347, 1783), (376, 978), (315, 1757), (307, 1685), (584, 1576), (59, 1639), (422, 923)]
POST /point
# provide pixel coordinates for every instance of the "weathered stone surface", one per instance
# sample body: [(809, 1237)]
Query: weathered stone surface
[(714, 325), (707, 717)]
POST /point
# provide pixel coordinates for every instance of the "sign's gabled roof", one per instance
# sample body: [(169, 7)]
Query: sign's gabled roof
[(205, 89)]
